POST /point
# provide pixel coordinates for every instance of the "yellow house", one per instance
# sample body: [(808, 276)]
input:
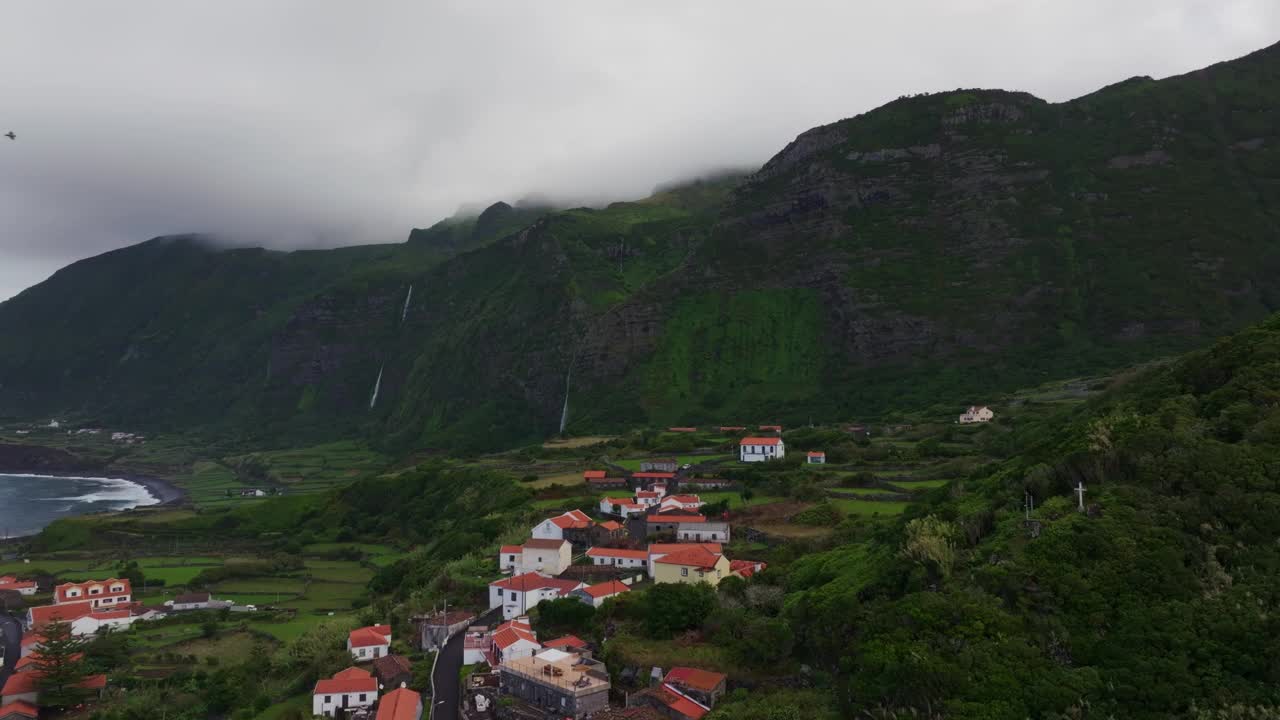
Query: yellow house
[(693, 565)]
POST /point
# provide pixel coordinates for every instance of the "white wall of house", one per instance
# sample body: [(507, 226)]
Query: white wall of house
[(328, 705), (761, 453), (547, 562), (518, 649), (621, 562), (547, 530), (369, 652), (703, 532), (89, 625)]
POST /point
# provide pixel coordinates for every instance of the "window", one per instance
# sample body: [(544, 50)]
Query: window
[(513, 558), (328, 699), (684, 572), (513, 595), (362, 696)]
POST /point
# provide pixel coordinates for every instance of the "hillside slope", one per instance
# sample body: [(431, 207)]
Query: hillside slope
[(1159, 601), (929, 251)]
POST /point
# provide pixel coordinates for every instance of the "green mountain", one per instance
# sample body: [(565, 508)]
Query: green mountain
[(933, 250)]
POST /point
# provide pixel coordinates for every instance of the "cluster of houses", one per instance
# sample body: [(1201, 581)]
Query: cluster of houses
[(656, 535), (88, 608), (377, 691)]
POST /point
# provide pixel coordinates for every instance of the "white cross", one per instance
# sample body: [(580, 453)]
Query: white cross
[(1080, 494)]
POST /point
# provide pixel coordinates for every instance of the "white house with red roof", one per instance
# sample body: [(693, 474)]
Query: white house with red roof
[(619, 557), (511, 640), (648, 498), (553, 528), (659, 550), (681, 502), (83, 618), (593, 475), (622, 507), (653, 478), (816, 457), (760, 449), (346, 690), (694, 564), (517, 594), (595, 595), (702, 686), (22, 587), (568, 643), (710, 531), (101, 593), (545, 556), (369, 643)]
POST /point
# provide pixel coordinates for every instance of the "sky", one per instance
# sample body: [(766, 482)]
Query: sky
[(315, 123)]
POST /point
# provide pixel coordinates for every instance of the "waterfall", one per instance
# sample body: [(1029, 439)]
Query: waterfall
[(377, 385), (564, 414), (405, 312)]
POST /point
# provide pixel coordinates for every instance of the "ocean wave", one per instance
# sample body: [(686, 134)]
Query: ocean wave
[(121, 494)]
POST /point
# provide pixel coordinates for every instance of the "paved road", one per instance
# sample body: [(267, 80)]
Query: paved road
[(11, 638), (444, 705), (448, 688)]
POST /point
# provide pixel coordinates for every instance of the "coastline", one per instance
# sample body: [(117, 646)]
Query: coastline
[(164, 492)]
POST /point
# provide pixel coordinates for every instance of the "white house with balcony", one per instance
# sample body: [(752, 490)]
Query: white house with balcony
[(760, 449)]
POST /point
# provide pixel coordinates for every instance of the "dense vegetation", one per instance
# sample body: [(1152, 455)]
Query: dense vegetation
[(940, 248)]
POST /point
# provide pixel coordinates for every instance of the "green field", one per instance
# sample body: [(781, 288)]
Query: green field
[(633, 464), (869, 507), (919, 484), (735, 498)]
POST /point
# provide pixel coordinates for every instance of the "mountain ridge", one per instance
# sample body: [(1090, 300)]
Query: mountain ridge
[(929, 251)]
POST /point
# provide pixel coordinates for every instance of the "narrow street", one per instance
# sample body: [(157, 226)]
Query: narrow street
[(448, 688), (444, 704), (11, 641)]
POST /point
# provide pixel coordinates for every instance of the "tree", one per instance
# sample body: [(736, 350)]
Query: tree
[(562, 617), (321, 650), (670, 608), (930, 543), (61, 666)]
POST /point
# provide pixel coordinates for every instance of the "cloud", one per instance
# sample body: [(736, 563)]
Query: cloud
[(305, 123)]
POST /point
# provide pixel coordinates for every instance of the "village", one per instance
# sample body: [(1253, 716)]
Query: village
[(649, 527)]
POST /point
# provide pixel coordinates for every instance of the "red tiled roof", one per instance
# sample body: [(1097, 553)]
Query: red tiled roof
[(610, 525), (654, 475), (539, 544), (65, 612), (660, 548), (351, 680), (679, 703), (760, 441), (32, 638), (746, 568), (29, 661), (685, 498), (28, 682), (618, 553), (60, 592), (817, 453), (568, 641), (775, 428), (370, 636), (20, 708), (692, 557), (605, 589), (401, 704), (534, 581), (511, 549), (646, 494), (511, 633), (695, 678), (392, 665), (676, 518), (14, 584), (572, 519), (593, 474)]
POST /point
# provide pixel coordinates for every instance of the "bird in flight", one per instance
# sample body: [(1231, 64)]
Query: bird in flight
[(10, 135)]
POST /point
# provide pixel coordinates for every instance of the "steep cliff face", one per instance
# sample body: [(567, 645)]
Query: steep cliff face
[(932, 250)]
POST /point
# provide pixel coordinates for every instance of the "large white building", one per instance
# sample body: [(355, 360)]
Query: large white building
[(551, 557), (553, 528), (516, 595), (976, 414), (347, 690), (759, 449)]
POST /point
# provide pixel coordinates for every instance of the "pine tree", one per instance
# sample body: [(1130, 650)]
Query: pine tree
[(61, 666)]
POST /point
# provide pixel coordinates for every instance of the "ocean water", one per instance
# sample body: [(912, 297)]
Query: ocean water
[(30, 502)]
